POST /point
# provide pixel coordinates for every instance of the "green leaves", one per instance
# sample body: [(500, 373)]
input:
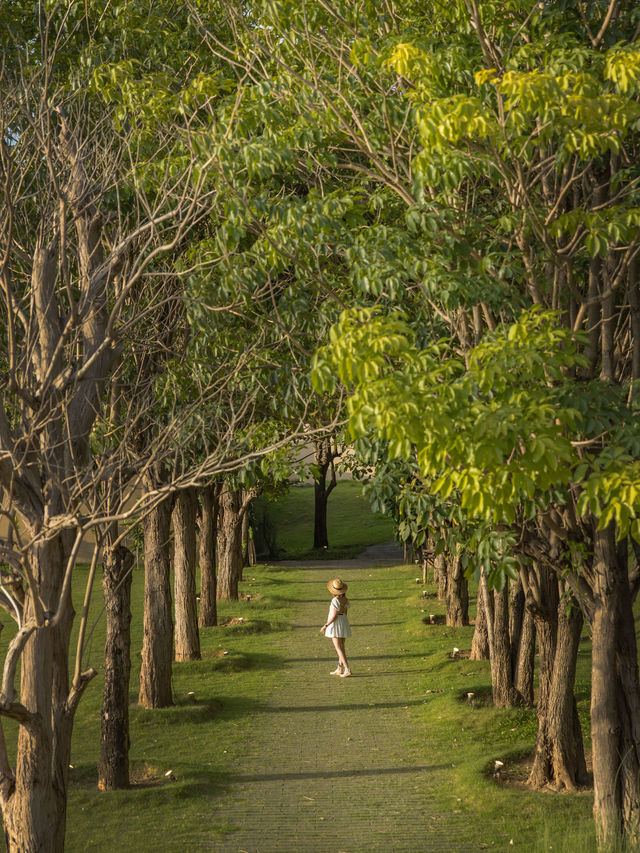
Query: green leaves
[(622, 68), (494, 434)]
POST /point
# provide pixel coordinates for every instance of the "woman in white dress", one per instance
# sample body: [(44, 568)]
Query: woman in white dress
[(337, 625)]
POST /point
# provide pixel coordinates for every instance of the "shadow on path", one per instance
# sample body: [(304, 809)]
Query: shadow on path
[(330, 764), (338, 774), (364, 706)]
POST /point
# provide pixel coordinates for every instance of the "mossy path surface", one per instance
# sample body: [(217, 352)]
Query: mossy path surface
[(327, 763)]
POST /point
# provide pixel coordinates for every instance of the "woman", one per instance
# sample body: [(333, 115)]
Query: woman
[(337, 625)]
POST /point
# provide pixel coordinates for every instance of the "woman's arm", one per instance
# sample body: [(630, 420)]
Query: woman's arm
[(333, 613)]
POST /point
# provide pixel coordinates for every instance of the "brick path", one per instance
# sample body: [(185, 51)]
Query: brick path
[(326, 768)]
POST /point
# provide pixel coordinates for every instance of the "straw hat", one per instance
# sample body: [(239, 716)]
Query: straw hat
[(337, 586)]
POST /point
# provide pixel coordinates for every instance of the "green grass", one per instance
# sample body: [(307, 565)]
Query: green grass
[(201, 738), (473, 736), (197, 739), (351, 525)]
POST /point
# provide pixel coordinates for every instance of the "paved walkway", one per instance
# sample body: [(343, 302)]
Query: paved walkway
[(326, 766)]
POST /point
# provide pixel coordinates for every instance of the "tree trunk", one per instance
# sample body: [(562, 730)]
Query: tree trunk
[(245, 540), (34, 805), (320, 533), (229, 544), (457, 594), (545, 611), (440, 575), (516, 617), (209, 497), (480, 643), (615, 697), (559, 761), (113, 766), (503, 691), (525, 659), (323, 458), (157, 640), (187, 638), (628, 701), (252, 557), (568, 761)]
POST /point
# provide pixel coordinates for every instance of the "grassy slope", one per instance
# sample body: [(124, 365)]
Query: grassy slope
[(351, 525)]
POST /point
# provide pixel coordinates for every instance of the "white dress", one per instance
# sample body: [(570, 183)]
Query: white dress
[(340, 626)]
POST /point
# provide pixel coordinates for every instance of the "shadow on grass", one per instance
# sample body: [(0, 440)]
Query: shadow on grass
[(189, 710), (482, 691), (364, 706), (339, 774), (289, 602), (289, 580), (216, 660), (353, 625), (324, 658)]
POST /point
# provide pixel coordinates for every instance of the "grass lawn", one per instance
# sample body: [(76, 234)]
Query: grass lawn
[(202, 739)]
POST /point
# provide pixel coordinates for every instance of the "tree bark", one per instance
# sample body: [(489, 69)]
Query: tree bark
[(323, 457), (545, 611), (457, 594), (503, 691), (525, 660), (480, 642), (113, 766), (187, 638), (157, 640), (516, 617), (615, 697), (208, 615), (440, 575), (229, 543), (34, 802), (559, 760)]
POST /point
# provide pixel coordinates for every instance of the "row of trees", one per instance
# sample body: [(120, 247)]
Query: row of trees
[(124, 390), (194, 199), (520, 425), (473, 182)]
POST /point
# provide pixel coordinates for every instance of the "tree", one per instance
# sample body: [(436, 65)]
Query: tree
[(88, 215), (209, 510), (535, 414), (513, 194), (187, 638), (519, 194), (324, 454)]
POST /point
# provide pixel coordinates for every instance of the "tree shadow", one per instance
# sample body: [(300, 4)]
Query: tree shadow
[(204, 782), (353, 625), (324, 658), (193, 710), (349, 773), (362, 706)]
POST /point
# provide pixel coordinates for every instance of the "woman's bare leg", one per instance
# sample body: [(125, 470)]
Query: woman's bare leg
[(342, 655), (338, 642)]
